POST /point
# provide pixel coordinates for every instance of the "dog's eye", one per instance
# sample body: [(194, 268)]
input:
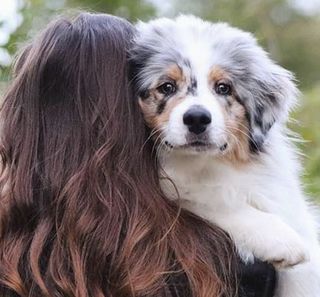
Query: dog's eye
[(167, 88), (223, 89)]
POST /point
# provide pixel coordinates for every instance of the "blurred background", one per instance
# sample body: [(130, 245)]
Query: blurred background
[(288, 29)]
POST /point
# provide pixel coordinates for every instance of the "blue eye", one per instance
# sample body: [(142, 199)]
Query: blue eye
[(223, 89), (167, 89)]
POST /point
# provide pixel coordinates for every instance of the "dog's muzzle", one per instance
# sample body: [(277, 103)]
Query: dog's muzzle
[(197, 119)]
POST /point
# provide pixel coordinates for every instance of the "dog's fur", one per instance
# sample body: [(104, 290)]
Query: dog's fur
[(242, 173)]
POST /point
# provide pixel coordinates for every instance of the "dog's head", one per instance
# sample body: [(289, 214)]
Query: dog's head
[(208, 87)]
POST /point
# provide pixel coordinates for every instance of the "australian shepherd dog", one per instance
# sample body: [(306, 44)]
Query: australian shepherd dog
[(217, 107)]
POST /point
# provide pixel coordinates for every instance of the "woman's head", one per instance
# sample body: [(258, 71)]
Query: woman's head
[(81, 210), (69, 91)]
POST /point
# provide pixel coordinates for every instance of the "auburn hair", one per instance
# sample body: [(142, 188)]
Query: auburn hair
[(82, 213)]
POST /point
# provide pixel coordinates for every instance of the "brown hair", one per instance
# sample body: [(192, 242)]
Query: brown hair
[(81, 209)]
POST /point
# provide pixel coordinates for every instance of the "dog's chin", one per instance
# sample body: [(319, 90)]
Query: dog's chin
[(198, 147)]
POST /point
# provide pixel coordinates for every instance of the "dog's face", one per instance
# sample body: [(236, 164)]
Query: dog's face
[(208, 87)]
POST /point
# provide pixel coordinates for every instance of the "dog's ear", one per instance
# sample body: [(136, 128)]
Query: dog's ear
[(267, 91), (272, 96)]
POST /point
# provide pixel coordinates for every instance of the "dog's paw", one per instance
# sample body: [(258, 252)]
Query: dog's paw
[(288, 257), (282, 251)]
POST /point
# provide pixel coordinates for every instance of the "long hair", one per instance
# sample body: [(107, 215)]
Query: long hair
[(81, 209)]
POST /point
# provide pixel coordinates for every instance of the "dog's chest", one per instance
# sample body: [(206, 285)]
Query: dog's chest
[(207, 189), (210, 188)]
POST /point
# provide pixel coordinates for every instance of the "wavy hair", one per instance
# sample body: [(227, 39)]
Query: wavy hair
[(81, 209)]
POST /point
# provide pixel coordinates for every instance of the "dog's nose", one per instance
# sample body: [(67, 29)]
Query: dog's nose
[(197, 119)]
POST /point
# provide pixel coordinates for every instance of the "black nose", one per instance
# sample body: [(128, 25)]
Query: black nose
[(197, 119)]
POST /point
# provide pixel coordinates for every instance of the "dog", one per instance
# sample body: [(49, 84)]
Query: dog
[(217, 107)]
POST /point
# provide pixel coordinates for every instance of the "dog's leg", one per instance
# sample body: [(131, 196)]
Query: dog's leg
[(262, 235), (302, 280)]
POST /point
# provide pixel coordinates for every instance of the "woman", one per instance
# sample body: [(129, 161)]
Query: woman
[(81, 210)]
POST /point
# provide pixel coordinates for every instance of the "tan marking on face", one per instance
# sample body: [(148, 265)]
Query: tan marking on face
[(237, 128), (175, 73), (236, 123), (217, 74), (149, 106), (152, 118), (163, 118)]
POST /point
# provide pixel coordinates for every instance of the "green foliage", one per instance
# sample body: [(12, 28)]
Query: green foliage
[(129, 9), (308, 126), (37, 13)]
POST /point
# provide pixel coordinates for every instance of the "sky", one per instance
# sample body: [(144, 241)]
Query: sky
[(11, 18)]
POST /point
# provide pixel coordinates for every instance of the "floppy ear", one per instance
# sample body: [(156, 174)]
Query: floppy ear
[(268, 92)]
